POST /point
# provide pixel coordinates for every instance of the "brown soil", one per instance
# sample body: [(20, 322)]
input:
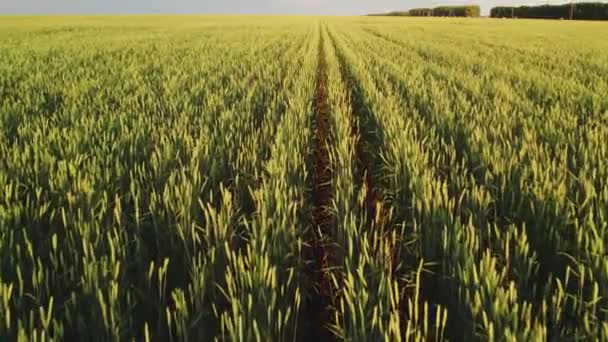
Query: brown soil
[(318, 307)]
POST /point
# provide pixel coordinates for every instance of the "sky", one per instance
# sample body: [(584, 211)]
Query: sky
[(326, 7)]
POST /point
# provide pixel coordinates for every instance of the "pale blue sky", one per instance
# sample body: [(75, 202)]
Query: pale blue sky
[(337, 7)]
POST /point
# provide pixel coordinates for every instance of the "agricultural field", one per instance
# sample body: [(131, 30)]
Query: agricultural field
[(200, 178)]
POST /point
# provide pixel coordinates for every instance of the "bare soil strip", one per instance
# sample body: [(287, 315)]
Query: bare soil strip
[(317, 320), (378, 215)]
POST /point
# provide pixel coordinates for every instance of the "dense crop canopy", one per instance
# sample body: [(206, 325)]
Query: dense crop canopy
[(274, 179)]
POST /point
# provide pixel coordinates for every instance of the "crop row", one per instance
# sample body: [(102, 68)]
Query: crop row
[(294, 179)]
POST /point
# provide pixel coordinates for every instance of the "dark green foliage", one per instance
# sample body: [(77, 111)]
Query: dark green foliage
[(579, 11), (398, 14), (591, 11), (502, 12), (442, 11), (421, 12), (391, 14), (457, 11), (446, 11)]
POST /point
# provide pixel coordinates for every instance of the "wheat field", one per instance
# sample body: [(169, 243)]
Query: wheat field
[(242, 178)]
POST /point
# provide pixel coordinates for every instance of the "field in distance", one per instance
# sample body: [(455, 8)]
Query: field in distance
[(303, 178)]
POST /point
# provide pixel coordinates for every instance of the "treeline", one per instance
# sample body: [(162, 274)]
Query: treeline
[(580, 11), (441, 11), (446, 11), (421, 12), (390, 14)]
